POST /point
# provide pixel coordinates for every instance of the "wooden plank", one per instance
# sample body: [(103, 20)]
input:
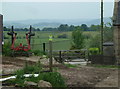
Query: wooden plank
[(69, 50), (69, 53), (72, 61), (68, 57)]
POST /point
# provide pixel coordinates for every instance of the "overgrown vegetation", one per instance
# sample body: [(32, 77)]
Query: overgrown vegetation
[(38, 52), (8, 52), (6, 49), (54, 78), (30, 69)]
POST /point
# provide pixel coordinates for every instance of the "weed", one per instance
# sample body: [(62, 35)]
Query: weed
[(54, 78), (6, 49), (38, 52), (71, 65)]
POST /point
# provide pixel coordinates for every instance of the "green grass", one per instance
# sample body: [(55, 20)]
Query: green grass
[(43, 36), (71, 65)]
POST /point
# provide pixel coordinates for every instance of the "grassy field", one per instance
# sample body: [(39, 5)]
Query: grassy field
[(43, 37)]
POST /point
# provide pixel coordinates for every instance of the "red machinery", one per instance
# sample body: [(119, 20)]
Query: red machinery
[(21, 47)]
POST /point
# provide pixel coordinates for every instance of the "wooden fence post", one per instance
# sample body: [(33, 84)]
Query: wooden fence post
[(50, 54), (60, 58), (44, 48), (1, 32)]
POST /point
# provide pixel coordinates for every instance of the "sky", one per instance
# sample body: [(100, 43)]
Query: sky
[(13, 11)]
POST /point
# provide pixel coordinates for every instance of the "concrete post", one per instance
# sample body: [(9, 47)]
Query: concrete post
[(116, 24)]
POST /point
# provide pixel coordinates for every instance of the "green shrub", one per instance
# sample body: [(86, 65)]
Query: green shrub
[(7, 49), (19, 80), (94, 51), (38, 52), (54, 78), (30, 69), (62, 36)]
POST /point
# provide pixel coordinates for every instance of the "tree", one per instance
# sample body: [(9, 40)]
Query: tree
[(84, 27), (63, 27), (71, 28), (94, 42), (95, 27), (78, 39)]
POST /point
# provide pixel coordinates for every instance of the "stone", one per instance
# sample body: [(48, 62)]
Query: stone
[(29, 83), (42, 83)]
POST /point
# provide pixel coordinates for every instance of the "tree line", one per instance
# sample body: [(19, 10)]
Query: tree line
[(62, 27)]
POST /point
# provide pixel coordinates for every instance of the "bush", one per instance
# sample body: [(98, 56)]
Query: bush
[(62, 36), (38, 52), (94, 51), (54, 78), (7, 49), (30, 69)]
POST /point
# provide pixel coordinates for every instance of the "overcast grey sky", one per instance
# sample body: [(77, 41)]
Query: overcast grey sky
[(51, 10)]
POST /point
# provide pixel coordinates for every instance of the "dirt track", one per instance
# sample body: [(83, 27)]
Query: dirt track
[(82, 76)]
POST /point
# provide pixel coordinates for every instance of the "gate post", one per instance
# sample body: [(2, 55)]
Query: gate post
[(60, 57), (44, 48), (116, 25), (50, 53)]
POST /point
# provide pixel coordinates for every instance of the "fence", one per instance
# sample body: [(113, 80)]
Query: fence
[(70, 55), (58, 45)]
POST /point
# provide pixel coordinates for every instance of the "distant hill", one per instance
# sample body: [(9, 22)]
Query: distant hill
[(52, 23)]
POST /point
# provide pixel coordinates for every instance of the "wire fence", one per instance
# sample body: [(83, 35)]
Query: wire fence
[(58, 45)]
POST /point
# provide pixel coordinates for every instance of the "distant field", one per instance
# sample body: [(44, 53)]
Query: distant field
[(43, 36)]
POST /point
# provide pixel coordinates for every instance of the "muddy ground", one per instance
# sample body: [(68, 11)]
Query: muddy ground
[(80, 76)]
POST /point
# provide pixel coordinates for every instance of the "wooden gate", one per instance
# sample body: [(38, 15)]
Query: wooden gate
[(70, 55)]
